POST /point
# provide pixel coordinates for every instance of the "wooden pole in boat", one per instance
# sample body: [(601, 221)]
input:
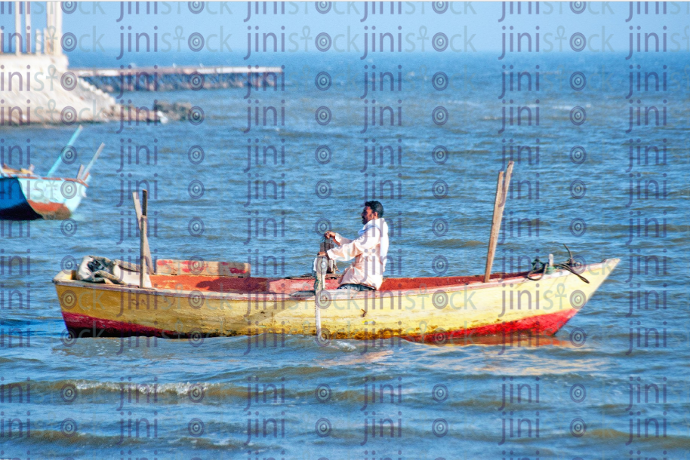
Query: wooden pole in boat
[(495, 227), (143, 241), (506, 185), (137, 210), (499, 204)]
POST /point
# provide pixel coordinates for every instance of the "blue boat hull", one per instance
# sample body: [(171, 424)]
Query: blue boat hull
[(29, 198)]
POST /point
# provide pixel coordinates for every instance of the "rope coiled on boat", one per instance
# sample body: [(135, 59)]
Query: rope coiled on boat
[(539, 268)]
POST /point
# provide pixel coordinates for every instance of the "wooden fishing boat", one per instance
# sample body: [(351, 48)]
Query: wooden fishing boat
[(196, 299), (28, 196)]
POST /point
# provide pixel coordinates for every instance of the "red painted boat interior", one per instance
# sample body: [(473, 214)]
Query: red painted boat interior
[(287, 286)]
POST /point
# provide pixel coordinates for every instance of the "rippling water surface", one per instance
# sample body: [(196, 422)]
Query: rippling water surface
[(188, 399)]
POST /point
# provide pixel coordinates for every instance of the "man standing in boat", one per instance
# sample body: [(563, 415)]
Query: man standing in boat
[(369, 251)]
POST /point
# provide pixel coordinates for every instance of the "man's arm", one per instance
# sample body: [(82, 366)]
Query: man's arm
[(349, 249), (337, 237)]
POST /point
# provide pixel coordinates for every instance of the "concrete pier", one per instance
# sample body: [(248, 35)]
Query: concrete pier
[(36, 86), (40, 89), (176, 78)]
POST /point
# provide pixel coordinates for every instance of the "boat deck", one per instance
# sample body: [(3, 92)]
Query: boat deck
[(291, 285)]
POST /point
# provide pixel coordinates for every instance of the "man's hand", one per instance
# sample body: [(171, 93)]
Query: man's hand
[(329, 235)]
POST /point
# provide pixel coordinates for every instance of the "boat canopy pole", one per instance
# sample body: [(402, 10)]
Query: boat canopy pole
[(71, 142), (93, 160), (499, 204)]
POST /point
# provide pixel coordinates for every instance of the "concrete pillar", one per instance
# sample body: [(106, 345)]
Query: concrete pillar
[(17, 29), (47, 46), (38, 39), (58, 28), (27, 23), (53, 32)]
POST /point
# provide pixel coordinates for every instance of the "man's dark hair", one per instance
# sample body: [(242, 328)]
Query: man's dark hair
[(375, 207)]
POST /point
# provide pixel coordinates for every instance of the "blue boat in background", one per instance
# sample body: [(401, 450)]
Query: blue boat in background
[(28, 196)]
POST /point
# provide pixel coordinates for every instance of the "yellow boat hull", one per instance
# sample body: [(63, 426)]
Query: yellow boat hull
[(431, 311)]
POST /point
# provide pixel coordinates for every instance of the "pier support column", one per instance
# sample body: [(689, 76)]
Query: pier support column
[(27, 26), (57, 48), (53, 31), (17, 29)]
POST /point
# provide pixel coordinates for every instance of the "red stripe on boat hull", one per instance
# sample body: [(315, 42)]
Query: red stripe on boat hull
[(50, 210), (87, 326), (549, 324)]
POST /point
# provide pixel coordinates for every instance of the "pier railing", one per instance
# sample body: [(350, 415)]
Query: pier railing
[(180, 78)]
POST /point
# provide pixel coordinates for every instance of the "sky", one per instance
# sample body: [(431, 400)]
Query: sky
[(100, 28)]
